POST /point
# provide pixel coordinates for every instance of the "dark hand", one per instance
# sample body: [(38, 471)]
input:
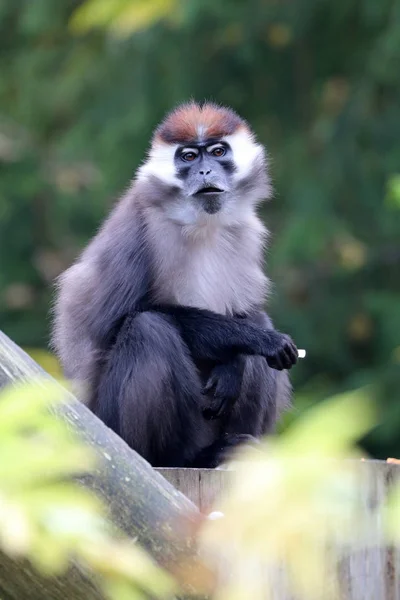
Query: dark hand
[(279, 350), (224, 385)]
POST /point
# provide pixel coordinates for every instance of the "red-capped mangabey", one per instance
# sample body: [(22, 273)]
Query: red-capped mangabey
[(161, 316)]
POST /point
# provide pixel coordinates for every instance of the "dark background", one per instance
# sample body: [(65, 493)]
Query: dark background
[(82, 85)]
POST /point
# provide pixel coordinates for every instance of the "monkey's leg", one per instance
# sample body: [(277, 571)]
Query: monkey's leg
[(148, 390)]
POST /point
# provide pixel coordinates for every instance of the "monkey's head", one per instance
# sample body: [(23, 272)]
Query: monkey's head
[(204, 164)]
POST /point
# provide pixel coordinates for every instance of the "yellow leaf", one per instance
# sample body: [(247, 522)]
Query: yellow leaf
[(121, 16), (141, 15), (96, 13)]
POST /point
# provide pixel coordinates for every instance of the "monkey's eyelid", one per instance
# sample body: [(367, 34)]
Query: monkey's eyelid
[(215, 146), (187, 150)]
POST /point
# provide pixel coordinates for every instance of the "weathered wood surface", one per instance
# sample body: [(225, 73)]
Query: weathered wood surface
[(371, 573), (202, 486), (141, 502)]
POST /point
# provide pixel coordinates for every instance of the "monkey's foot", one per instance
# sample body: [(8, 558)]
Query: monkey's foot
[(223, 386), (222, 450)]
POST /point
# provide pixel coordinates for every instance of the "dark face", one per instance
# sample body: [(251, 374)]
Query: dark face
[(206, 172)]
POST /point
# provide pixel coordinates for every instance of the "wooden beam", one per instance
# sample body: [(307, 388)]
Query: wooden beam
[(141, 502)]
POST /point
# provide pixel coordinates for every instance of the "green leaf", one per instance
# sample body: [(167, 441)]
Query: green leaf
[(331, 427)]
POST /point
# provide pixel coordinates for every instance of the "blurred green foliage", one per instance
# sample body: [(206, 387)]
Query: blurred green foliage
[(83, 84), (48, 517)]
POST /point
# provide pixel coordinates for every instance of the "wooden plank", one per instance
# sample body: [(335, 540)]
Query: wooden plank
[(186, 481), (202, 486)]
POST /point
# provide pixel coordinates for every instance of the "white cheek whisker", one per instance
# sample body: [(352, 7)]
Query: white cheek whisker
[(245, 152), (160, 164)]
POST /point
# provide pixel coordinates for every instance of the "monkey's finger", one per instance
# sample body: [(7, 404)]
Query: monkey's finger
[(220, 407), (210, 385), (275, 363), (228, 389), (286, 360), (212, 412), (291, 349), (289, 356), (223, 410)]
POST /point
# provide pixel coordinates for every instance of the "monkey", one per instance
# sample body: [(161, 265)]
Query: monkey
[(160, 319)]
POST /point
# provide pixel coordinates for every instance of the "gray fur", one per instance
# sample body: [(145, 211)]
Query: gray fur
[(159, 243)]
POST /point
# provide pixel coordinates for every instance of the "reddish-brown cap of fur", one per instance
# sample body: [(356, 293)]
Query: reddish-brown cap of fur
[(182, 126)]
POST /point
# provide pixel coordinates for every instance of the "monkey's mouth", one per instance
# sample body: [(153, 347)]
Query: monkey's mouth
[(208, 190)]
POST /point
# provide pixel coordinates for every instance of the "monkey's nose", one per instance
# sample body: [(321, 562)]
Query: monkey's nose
[(205, 172)]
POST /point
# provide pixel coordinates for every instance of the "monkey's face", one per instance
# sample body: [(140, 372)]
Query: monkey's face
[(205, 170), (205, 166)]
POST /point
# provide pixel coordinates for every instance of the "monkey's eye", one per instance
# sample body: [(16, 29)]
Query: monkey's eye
[(218, 151), (189, 155)]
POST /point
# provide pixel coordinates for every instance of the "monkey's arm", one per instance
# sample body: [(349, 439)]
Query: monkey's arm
[(219, 338), (224, 384)]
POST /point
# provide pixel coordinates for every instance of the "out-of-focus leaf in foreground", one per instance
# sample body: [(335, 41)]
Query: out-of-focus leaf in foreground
[(48, 517), (122, 17), (294, 502)]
